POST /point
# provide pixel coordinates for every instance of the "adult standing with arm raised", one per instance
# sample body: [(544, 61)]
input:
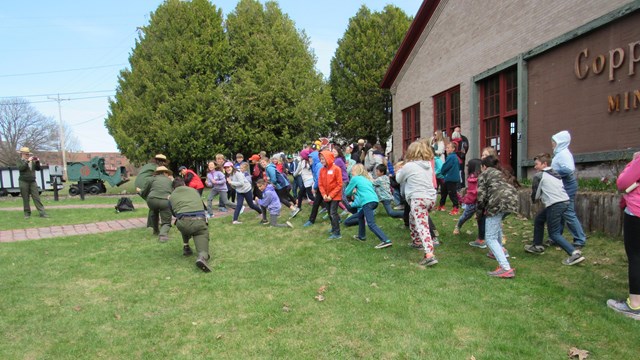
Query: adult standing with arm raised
[(28, 165), (628, 184)]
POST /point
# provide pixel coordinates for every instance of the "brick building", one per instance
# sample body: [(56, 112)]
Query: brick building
[(113, 160), (512, 73)]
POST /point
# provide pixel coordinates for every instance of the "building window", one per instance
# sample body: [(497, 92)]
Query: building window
[(446, 108), (499, 113), (410, 125)]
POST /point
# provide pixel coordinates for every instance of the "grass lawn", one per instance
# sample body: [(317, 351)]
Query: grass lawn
[(124, 295)]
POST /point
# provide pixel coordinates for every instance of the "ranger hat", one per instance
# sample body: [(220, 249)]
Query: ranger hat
[(162, 169), (160, 157), (24, 150)]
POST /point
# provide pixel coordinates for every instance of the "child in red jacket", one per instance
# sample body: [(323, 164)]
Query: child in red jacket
[(330, 186), (471, 197)]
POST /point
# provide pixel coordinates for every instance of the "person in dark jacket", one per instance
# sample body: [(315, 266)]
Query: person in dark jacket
[(190, 212), (28, 165), (451, 171)]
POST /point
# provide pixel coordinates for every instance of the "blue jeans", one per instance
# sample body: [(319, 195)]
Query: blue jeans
[(493, 239), (575, 227), (366, 213), (469, 211), (241, 197), (552, 215), (396, 214), (396, 197)]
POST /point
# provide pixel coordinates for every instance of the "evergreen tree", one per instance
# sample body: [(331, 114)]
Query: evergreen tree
[(278, 100), (362, 108), (171, 98)]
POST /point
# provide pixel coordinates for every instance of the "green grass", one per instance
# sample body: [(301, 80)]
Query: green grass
[(124, 295)]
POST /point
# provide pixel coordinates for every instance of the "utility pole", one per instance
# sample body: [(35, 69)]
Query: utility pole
[(61, 134)]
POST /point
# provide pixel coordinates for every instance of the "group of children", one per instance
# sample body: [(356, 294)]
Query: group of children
[(331, 181)]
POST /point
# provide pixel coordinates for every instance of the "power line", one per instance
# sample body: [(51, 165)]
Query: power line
[(68, 93), (86, 121), (46, 101), (60, 71)]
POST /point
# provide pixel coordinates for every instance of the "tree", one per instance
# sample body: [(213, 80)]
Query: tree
[(22, 125), (171, 98), (362, 108), (278, 99)]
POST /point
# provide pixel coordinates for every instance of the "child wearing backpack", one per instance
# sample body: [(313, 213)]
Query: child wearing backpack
[(365, 201)]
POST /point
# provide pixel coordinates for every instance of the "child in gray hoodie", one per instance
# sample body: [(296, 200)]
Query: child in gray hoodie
[(547, 186), (417, 179)]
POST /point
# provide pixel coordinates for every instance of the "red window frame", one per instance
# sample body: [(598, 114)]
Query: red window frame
[(498, 104), (446, 110), (410, 125)]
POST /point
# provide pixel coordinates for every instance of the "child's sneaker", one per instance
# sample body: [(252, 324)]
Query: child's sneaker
[(502, 273), (294, 212), (383, 244), (493, 257), (307, 224), (624, 308), (356, 237), (504, 239), (236, 222), (428, 261), (575, 258), (456, 230), (441, 208), (417, 246), (454, 212), (436, 242), (480, 244), (264, 222), (289, 224), (534, 249), (334, 237), (223, 209)]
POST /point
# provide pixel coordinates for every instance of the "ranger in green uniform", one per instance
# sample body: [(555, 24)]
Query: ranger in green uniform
[(28, 165), (157, 190), (143, 175), (187, 206)]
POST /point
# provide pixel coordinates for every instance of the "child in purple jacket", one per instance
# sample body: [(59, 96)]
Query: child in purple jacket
[(218, 184), (271, 202)]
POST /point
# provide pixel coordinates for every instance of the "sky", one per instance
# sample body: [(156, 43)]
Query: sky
[(77, 48)]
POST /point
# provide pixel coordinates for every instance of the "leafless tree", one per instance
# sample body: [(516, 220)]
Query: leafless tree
[(22, 125)]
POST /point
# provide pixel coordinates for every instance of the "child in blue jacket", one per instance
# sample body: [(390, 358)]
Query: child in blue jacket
[(451, 172)]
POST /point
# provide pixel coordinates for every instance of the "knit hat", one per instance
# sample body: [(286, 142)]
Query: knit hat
[(304, 154)]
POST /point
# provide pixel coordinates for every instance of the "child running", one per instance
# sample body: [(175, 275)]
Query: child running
[(239, 182), (451, 172), (416, 177), (496, 198), (218, 184), (366, 200), (330, 186), (383, 189), (471, 196), (270, 202)]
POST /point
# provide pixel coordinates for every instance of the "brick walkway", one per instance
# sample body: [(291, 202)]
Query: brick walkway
[(70, 230), (88, 206), (7, 236)]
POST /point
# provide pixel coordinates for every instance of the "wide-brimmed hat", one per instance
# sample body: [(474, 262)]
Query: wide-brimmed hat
[(24, 150), (162, 169), (160, 157), (361, 142)]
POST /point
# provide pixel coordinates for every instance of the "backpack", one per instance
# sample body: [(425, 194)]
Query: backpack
[(281, 180), (124, 204)]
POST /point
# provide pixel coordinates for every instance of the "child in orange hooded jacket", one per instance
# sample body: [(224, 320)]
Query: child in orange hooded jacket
[(330, 186)]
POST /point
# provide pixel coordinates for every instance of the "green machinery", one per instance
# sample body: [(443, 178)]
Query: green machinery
[(91, 175)]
